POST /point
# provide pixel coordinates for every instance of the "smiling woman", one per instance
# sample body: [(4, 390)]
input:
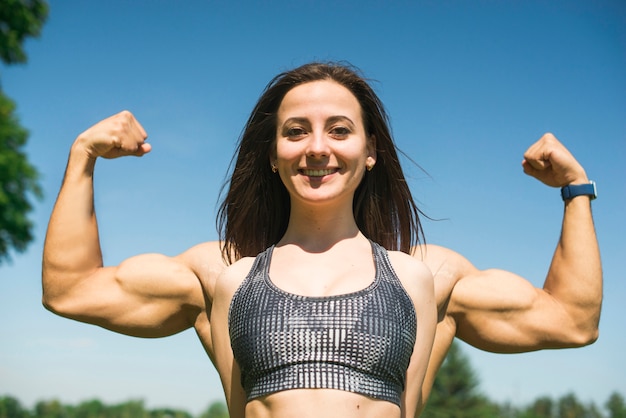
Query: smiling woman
[(248, 229), (324, 318), (321, 141)]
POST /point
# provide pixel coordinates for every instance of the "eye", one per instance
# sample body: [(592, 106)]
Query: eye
[(340, 132), (295, 132)]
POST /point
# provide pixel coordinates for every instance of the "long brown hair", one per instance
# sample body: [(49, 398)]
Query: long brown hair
[(255, 210)]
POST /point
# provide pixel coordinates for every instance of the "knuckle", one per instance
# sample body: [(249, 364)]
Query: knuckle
[(126, 114), (548, 136)]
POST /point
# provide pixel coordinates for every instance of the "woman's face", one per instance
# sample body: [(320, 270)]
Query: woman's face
[(322, 149)]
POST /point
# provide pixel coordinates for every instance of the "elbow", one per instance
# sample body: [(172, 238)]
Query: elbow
[(60, 306), (54, 298), (579, 339), (48, 300), (588, 330), (588, 336), (584, 335), (584, 325), (52, 304)]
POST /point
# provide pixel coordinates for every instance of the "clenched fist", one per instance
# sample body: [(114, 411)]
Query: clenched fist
[(551, 163), (116, 136)]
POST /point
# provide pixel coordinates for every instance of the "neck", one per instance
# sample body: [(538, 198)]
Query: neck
[(316, 229)]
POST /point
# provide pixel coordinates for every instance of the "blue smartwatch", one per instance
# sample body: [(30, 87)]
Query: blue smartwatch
[(572, 190)]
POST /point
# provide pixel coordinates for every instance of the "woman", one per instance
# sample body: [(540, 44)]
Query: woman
[(317, 318)]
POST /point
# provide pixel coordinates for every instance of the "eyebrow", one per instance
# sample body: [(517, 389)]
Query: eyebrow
[(340, 118), (330, 120)]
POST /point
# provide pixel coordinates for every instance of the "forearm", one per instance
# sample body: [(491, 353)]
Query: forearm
[(575, 275), (72, 248)]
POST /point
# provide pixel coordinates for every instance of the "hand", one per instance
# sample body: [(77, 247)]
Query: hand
[(116, 136), (550, 162)]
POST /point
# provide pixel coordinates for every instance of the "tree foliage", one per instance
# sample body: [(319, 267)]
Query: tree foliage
[(616, 406), (455, 393), (18, 178), (542, 407), (216, 410), (11, 408), (19, 19)]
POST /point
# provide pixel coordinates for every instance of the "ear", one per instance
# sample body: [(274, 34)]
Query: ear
[(371, 151), (272, 154)]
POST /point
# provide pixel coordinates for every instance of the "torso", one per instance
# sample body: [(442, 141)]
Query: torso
[(316, 342), (315, 403), (442, 262)]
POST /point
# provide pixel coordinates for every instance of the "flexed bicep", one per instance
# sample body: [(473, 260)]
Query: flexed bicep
[(149, 295), (499, 311)]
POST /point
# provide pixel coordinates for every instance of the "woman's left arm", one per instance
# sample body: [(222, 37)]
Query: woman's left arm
[(498, 311)]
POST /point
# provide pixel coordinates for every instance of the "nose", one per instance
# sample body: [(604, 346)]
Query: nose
[(317, 145)]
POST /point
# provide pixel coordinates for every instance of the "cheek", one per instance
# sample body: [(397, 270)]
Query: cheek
[(286, 150), (358, 156)]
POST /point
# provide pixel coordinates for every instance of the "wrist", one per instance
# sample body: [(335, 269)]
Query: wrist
[(81, 147), (80, 159), (573, 190), (576, 176)]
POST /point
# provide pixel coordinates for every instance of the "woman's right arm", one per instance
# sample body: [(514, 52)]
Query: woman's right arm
[(149, 295)]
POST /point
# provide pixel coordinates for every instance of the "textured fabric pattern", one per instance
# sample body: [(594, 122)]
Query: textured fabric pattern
[(358, 342)]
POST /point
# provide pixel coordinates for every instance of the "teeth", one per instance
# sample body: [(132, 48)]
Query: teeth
[(317, 173)]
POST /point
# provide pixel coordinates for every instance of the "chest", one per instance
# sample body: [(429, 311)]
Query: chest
[(322, 275), (367, 330)]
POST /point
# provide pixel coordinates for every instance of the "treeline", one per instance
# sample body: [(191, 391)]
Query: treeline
[(12, 408), (455, 394), (567, 406)]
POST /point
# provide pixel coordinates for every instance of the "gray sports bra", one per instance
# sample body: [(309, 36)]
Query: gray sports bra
[(358, 342)]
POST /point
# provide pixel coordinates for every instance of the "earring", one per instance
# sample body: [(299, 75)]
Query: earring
[(369, 167), (274, 168)]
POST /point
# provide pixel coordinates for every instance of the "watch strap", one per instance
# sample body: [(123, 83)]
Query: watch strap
[(572, 190)]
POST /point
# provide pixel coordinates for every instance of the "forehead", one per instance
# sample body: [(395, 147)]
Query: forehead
[(319, 97)]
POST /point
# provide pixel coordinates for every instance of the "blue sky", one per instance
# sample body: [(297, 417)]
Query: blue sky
[(469, 86)]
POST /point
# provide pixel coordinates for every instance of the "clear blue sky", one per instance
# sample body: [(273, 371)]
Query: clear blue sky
[(469, 86)]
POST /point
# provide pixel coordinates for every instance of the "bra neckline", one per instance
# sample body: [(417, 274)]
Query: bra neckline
[(373, 284)]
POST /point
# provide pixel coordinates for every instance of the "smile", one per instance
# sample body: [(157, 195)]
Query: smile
[(317, 173)]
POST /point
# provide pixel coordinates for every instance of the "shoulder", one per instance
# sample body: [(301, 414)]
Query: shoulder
[(232, 276), (414, 274), (446, 265), (448, 268), (417, 281), (240, 268), (206, 262), (437, 258)]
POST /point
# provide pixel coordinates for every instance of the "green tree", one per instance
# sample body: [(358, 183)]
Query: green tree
[(455, 391), (542, 407), (570, 407), (616, 406), (89, 409), (19, 19), (18, 178), (169, 413), (11, 408), (129, 409), (216, 410), (593, 411), (50, 409)]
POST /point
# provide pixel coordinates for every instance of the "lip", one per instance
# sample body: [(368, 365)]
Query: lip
[(317, 172)]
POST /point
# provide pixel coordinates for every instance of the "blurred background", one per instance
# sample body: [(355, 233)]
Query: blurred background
[(468, 85)]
